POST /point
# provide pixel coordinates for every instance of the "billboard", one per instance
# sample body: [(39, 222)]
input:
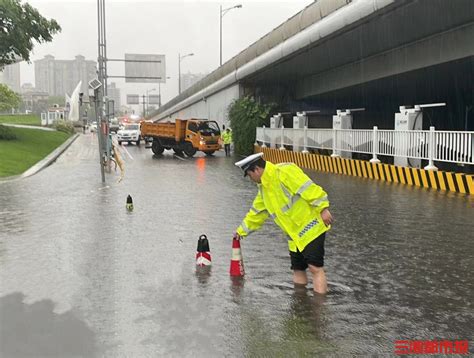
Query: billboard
[(133, 99), (153, 99), (141, 68)]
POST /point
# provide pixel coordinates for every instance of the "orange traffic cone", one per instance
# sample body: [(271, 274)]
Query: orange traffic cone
[(236, 262), (203, 254)]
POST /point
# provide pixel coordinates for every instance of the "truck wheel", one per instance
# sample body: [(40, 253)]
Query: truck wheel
[(156, 148), (189, 150), (210, 152), (178, 152)]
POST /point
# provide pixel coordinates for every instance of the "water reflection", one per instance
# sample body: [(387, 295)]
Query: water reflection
[(203, 274), (298, 332), (35, 330)]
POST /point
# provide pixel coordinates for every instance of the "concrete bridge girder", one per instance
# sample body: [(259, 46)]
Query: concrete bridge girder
[(445, 47)]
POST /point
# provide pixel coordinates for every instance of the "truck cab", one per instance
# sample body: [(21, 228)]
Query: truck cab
[(204, 135)]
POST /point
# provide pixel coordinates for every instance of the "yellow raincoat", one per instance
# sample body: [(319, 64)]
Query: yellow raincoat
[(293, 201)]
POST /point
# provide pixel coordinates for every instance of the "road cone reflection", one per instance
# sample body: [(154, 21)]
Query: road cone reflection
[(129, 204), (236, 262), (203, 254)]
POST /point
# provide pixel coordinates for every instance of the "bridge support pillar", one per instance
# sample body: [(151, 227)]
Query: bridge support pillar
[(409, 119), (342, 120), (299, 137)]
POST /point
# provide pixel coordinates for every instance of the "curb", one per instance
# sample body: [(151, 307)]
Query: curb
[(50, 158)]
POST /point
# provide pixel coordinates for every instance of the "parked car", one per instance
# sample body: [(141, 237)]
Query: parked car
[(93, 127), (129, 133)]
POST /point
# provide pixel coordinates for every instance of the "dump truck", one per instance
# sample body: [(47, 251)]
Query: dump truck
[(182, 136)]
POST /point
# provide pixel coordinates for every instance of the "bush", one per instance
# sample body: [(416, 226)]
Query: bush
[(6, 133), (245, 116), (64, 126)]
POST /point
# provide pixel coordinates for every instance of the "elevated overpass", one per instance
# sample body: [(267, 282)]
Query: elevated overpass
[(337, 54)]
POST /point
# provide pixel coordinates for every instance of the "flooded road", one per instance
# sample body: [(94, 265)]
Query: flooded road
[(79, 276)]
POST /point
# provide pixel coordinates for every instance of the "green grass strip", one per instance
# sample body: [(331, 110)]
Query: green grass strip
[(31, 145), (28, 119)]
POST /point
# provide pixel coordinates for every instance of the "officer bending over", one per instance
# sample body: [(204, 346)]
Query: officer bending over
[(298, 206)]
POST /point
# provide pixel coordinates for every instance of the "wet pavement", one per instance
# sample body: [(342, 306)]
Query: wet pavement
[(80, 276)]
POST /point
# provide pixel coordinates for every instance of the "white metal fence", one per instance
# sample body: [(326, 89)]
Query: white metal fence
[(431, 145)]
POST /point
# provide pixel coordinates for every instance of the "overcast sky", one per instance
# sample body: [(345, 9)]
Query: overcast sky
[(159, 27)]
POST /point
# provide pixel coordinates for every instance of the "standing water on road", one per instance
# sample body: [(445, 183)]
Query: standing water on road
[(80, 275)]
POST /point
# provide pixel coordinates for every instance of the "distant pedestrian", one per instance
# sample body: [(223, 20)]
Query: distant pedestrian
[(298, 206), (227, 139)]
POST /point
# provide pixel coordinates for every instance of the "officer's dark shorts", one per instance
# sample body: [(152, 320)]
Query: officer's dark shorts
[(313, 254)]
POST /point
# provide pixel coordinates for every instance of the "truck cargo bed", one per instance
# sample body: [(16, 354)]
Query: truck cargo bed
[(164, 130)]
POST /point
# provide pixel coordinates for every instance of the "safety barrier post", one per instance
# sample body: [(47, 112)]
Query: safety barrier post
[(334, 153), (305, 145), (263, 135), (431, 147), (375, 145), (282, 147)]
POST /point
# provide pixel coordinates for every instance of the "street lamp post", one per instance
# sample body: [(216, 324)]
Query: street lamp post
[(159, 92), (223, 12), (148, 100), (180, 58)]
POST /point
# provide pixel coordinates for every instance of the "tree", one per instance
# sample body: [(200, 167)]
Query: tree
[(20, 25), (8, 99), (246, 114)]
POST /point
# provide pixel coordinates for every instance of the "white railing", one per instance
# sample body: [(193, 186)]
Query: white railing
[(431, 145)]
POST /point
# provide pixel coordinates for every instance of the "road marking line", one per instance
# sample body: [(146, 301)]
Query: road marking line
[(126, 151)]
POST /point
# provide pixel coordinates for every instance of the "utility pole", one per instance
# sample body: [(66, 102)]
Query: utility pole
[(144, 103), (179, 73), (180, 58), (102, 125), (220, 38)]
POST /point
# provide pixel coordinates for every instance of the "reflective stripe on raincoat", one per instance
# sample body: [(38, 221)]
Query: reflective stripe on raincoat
[(292, 200)]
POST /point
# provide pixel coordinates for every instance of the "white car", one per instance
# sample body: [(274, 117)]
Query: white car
[(93, 127), (129, 133)]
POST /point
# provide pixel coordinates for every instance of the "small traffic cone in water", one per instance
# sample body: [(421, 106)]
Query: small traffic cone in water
[(203, 254), (236, 261), (129, 204)]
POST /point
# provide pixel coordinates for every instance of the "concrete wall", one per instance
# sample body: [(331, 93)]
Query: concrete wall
[(213, 107)]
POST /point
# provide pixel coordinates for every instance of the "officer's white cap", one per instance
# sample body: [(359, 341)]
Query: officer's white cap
[(245, 163)]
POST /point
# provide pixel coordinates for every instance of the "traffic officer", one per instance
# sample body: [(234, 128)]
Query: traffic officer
[(298, 206), (227, 139)]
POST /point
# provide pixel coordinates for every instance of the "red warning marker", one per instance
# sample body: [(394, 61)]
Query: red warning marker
[(203, 254)]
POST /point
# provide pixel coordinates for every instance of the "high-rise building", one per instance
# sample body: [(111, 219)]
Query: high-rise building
[(188, 79), (57, 77), (10, 76), (114, 94)]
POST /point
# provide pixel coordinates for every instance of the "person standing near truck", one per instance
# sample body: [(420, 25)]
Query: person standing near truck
[(227, 140), (298, 206)]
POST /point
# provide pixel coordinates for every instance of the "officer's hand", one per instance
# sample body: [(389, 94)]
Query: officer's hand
[(327, 217), (236, 236)]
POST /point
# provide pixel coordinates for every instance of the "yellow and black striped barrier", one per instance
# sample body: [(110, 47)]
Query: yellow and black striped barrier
[(440, 180)]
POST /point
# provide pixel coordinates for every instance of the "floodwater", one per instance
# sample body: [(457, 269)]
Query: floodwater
[(80, 276)]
